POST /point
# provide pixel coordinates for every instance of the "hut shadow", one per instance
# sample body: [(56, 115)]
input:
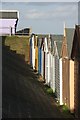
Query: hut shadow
[(15, 59), (13, 65)]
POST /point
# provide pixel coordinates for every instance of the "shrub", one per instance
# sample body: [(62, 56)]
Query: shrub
[(49, 91), (65, 108)]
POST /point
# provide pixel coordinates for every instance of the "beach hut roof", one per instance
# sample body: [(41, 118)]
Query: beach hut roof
[(58, 39), (69, 32)]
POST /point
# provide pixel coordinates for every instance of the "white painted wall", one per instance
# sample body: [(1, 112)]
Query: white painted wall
[(42, 62), (51, 71), (53, 82), (60, 71), (33, 53), (6, 25), (46, 59), (71, 86), (46, 67)]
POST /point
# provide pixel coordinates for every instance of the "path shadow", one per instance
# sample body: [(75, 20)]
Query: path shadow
[(13, 66), (22, 94)]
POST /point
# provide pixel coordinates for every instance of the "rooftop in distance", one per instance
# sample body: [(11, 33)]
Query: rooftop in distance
[(9, 14)]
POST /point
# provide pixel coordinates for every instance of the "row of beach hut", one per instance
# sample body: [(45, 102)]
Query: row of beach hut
[(57, 59)]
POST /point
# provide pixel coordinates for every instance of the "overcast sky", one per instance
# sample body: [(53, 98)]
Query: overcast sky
[(45, 17)]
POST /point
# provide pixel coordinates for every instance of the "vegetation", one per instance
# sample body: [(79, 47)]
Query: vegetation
[(20, 44), (48, 90), (65, 109)]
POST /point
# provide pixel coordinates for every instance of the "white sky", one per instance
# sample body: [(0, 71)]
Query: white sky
[(45, 17), (39, 0)]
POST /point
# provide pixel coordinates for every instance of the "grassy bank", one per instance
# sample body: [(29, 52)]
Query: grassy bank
[(20, 44)]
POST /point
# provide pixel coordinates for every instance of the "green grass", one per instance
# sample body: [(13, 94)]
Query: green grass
[(65, 109), (48, 90)]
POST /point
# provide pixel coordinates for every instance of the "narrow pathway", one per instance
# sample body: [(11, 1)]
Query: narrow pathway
[(22, 94)]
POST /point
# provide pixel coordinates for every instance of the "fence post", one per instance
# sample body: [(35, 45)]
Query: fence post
[(10, 30)]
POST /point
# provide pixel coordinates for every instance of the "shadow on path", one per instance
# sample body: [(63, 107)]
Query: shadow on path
[(22, 94)]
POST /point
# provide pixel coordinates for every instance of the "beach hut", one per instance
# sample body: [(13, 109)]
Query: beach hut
[(36, 52), (43, 52), (39, 55), (46, 56), (75, 55), (32, 51), (47, 60), (43, 60), (56, 80), (52, 65), (68, 69)]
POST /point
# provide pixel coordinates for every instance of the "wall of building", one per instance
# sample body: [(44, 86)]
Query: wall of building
[(71, 86), (36, 58), (6, 25), (65, 80), (51, 72), (33, 53), (42, 65), (61, 85), (39, 59), (77, 88)]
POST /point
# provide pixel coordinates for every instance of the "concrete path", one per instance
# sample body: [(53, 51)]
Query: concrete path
[(23, 95)]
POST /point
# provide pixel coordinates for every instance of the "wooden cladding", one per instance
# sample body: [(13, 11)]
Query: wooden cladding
[(77, 88), (65, 72)]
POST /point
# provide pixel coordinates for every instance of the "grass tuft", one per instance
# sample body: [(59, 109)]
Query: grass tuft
[(65, 109)]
